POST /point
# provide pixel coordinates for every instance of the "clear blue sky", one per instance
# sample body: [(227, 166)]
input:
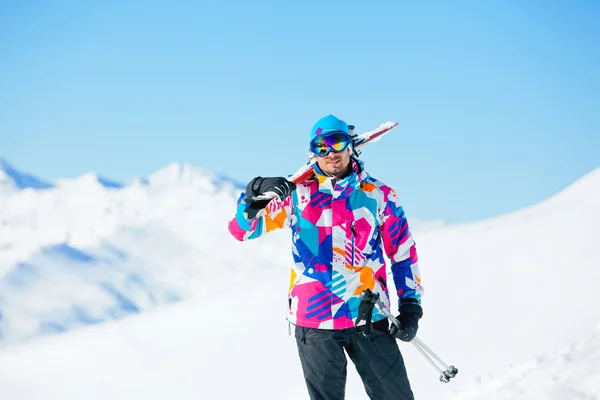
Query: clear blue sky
[(498, 101)]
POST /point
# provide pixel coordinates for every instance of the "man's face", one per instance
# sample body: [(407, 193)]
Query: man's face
[(335, 164)]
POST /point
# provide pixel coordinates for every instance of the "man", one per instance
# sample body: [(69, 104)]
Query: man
[(342, 221)]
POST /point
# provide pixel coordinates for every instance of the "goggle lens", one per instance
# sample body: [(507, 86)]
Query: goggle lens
[(335, 142)]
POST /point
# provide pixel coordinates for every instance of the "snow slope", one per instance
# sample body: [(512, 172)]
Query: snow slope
[(499, 292), (222, 348), (509, 288), (572, 372)]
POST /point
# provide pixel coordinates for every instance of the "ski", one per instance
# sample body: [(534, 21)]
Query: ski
[(358, 142)]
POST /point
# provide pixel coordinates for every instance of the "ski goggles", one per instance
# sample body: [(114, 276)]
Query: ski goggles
[(323, 145)]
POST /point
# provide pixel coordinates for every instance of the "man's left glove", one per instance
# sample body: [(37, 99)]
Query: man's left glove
[(409, 317)]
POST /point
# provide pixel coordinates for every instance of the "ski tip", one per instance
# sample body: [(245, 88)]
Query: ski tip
[(389, 124)]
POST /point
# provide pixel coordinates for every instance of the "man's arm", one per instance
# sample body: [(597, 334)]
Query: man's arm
[(401, 250), (256, 218)]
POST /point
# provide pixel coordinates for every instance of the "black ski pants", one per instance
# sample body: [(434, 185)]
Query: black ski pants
[(377, 360)]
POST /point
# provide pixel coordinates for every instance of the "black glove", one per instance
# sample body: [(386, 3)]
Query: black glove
[(259, 185), (409, 317), (281, 186)]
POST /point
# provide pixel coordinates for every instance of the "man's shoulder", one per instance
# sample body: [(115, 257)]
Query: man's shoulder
[(373, 184), (371, 180)]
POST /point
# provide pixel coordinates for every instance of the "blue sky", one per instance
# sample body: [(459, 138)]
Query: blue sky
[(498, 101)]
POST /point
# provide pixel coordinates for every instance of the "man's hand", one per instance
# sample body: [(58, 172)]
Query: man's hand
[(259, 185), (279, 185), (409, 322)]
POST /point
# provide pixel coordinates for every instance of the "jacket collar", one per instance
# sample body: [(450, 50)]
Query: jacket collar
[(330, 183)]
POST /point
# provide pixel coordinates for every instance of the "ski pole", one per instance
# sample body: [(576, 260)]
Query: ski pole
[(447, 373), (424, 354)]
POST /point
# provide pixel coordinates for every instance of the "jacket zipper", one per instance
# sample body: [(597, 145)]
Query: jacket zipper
[(353, 236)]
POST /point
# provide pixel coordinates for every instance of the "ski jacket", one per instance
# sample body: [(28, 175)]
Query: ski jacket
[(341, 232)]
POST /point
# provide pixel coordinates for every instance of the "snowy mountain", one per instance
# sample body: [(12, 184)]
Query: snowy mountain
[(89, 250), (498, 293), (11, 179)]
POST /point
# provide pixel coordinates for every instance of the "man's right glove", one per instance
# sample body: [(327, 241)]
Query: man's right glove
[(281, 186), (409, 317), (259, 185)]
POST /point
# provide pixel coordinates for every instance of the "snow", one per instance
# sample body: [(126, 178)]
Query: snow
[(569, 373), (91, 180), (140, 292)]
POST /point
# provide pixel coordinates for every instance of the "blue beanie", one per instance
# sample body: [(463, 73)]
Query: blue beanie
[(326, 125)]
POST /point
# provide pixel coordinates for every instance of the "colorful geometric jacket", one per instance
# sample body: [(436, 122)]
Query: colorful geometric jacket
[(340, 232)]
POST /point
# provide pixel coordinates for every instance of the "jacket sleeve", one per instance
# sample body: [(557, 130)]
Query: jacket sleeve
[(402, 252), (274, 216)]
